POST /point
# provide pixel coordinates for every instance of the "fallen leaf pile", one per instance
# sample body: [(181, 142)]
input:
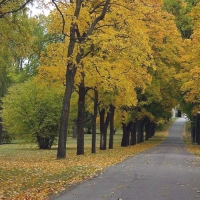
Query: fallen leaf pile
[(193, 148), (29, 173)]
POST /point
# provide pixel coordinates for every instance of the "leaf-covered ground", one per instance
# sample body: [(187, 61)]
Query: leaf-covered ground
[(29, 173), (191, 147)]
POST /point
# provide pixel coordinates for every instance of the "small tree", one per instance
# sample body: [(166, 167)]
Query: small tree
[(31, 109)]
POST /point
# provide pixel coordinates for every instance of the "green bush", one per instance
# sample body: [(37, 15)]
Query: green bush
[(33, 109)]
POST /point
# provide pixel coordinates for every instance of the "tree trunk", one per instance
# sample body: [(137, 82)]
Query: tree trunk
[(1, 132), (126, 134), (193, 132), (152, 129), (103, 129), (69, 77), (94, 117), (45, 142), (140, 137), (80, 118), (198, 128), (147, 129), (112, 131), (134, 134), (61, 153)]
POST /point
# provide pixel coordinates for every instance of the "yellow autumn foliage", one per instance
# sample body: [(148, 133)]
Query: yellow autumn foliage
[(190, 69), (137, 42)]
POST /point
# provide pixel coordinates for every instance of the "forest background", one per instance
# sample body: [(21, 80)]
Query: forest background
[(117, 64), (126, 64), (92, 65)]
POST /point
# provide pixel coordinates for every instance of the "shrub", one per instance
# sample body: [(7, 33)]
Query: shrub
[(32, 109)]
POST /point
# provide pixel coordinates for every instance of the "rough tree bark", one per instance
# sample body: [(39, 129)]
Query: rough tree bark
[(140, 137), (134, 134), (197, 129), (61, 153), (152, 129), (147, 129), (193, 131), (94, 117), (69, 77), (112, 131), (103, 128), (80, 118), (126, 134)]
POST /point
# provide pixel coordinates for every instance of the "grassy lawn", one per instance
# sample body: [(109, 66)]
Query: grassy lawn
[(29, 173)]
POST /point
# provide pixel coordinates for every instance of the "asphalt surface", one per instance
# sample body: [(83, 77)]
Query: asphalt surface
[(166, 172)]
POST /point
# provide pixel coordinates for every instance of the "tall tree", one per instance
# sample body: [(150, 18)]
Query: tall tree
[(190, 73), (77, 33), (100, 55), (15, 41), (181, 9), (94, 118)]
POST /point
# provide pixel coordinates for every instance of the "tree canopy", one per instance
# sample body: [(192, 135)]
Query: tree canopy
[(132, 61)]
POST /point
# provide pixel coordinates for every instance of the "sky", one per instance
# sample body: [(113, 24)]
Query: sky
[(36, 9)]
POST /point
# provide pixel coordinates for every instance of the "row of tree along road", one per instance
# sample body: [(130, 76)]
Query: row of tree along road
[(98, 64)]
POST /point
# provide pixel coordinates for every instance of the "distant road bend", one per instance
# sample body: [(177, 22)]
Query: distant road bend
[(165, 172)]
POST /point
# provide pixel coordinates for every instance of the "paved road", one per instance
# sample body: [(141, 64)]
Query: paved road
[(166, 172)]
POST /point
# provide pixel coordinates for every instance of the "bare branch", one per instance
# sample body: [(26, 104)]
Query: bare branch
[(63, 19), (98, 71), (99, 18), (96, 7), (86, 54), (120, 5), (105, 25)]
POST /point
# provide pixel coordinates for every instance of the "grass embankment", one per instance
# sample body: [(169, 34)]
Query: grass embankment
[(191, 147), (29, 173)]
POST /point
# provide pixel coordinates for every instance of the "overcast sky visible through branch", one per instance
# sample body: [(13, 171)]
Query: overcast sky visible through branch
[(40, 8)]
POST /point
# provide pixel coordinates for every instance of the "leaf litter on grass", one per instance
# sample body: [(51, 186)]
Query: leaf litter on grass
[(29, 173)]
